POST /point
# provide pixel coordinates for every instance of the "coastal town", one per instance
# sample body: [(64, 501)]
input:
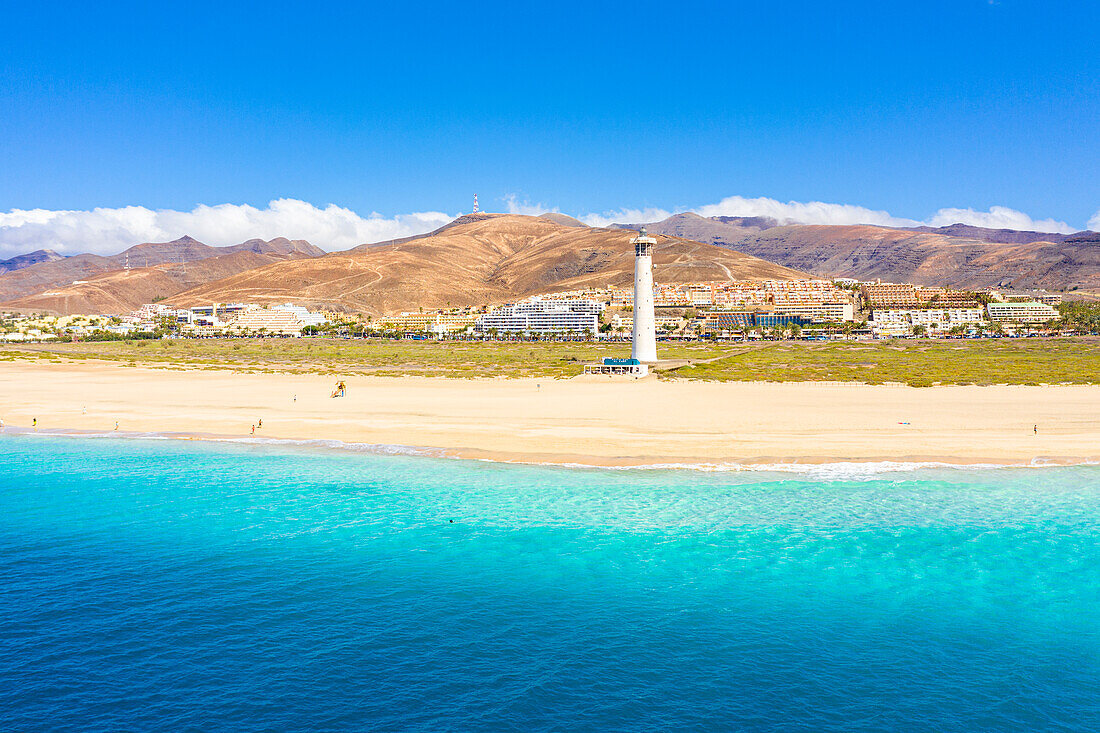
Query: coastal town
[(841, 308)]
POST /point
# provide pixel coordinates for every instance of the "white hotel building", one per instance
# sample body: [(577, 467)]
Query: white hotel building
[(543, 317), (901, 320), (286, 320), (818, 312), (1027, 312)]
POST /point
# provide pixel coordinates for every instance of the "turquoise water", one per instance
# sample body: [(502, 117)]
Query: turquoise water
[(168, 585)]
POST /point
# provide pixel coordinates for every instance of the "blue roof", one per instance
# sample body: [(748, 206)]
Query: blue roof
[(609, 361)]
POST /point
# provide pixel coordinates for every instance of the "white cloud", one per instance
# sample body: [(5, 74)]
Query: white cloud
[(999, 217), (818, 212), (812, 212), (792, 212), (626, 216), (108, 231), (525, 207), (1094, 222)]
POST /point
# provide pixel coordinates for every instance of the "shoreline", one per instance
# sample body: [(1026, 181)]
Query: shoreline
[(571, 422), (785, 465)]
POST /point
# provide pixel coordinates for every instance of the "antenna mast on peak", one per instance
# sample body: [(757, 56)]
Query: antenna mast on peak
[(475, 203)]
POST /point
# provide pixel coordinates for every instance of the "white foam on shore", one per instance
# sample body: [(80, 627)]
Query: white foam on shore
[(333, 445), (834, 470), (388, 449)]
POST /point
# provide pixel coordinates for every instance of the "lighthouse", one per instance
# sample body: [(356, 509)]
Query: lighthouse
[(644, 343)]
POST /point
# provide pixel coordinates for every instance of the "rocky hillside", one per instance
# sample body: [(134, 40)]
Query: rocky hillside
[(956, 256), (478, 259), (62, 272), (31, 258)]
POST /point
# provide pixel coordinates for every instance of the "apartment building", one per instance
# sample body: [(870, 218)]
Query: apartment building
[(904, 295), (284, 320), (1021, 312), (1039, 296), (544, 317), (718, 321), (819, 312), (901, 320), (215, 315), (739, 294), (439, 322)]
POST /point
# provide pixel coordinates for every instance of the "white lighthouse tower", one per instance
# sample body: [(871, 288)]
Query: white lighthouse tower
[(644, 344)]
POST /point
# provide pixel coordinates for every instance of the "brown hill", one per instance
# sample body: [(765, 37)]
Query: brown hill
[(719, 230), (27, 260), (984, 234), (867, 252), (62, 272), (563, 219), (122, 291), (483, 258), (909, 255)]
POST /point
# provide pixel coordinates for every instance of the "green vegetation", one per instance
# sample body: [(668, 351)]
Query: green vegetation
[(919, 363), (913, 362), (100, 334), (1080, 315), (341, 356)]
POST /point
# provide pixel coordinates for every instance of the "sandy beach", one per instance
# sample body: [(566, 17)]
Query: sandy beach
[(583, 420)]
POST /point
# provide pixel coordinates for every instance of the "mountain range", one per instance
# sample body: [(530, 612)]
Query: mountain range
[(88, 283), (478, 259), (492, 258), (26, 260), (958, 256)]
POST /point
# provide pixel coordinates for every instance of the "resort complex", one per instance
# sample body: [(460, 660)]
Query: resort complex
[(713, 310)]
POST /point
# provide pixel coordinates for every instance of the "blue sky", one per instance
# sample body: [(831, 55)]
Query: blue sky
[(591, 109)]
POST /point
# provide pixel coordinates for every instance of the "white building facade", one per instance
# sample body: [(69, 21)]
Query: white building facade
[(947, 317), (819, 312), (543, 317), (900, 321), (284, 320), (1026, 312)]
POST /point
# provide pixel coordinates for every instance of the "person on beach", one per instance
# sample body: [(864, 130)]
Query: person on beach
[(34, 423), (1035, 428), (116, 424), (260, 423), (340, 390), (253, 429)]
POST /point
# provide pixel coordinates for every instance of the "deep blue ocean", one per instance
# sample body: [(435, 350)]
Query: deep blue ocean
[(177, 585)]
